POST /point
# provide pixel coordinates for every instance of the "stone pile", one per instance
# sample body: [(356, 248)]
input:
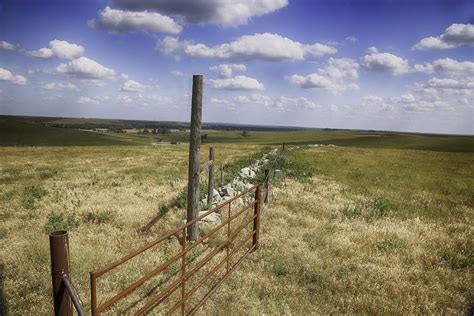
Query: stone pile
[(243, 181)]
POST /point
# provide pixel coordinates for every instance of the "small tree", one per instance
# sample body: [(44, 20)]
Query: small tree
[(245, 134)]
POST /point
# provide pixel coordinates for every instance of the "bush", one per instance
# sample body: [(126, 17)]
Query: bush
[(97, 217), (57, 221), (32, 194)]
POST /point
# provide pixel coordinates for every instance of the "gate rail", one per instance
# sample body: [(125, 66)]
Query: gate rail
[(98, 308)]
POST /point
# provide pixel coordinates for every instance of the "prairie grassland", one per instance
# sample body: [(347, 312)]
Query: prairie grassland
[(371, 231), (350, 229), (104, 196)]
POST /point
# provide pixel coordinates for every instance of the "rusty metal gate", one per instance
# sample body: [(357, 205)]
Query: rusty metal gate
[(236, 241)]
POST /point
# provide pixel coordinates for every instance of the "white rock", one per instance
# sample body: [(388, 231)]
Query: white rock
[(213, 218)]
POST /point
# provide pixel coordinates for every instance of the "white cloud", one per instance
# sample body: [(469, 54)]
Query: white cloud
[(351, 39), (93, 100), (58, 48), (7, 76), (177, 73), (372, 50), (127, 21), (460, 84), (281, 103), (372, 99), (385, 62), (7, 46), (87, 100), (262, 46), (60, 86), (447, 65), (219, 101), (86, 68), (431, 43), (237, 83), (455, 35), (221, 12), (332, 77), (132, 86), (225, 70)]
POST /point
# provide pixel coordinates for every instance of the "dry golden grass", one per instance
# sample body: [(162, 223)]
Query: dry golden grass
[(111, 191), (320, 251), (314, 258)]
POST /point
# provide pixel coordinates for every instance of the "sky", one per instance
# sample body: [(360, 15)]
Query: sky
[(382, 65)]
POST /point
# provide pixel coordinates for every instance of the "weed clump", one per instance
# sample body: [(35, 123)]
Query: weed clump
[(31, 195), (58, 221), (391, 244), (97, 217)]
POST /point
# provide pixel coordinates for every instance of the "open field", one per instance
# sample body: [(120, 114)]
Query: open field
[(380, 223)]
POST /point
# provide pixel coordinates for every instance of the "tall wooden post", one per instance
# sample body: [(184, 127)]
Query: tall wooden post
[(222, 174), (194, 151), (266, 186), (210, 185), (256, 220)]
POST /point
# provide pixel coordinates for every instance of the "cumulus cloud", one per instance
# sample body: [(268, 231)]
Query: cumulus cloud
[(85, 68), (446, 65), (372, 50), (7, 76), (225, 70), (385, 62), (261, 46), (221, 12), (236, 83), (132, 86), (281, 103), (59, 86), (456, 84), (219, 101), (93, 100), (455, 35), (58, 48), (7, 46), (332, 77), (372, 99), (125, 21)]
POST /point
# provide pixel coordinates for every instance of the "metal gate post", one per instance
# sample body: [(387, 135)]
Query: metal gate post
[(59, 250)]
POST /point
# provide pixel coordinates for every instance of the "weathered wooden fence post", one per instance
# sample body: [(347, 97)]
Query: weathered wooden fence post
[(210, 186), (256, 220), (194, 151), (222, 174), (59, 251), (266, 186)]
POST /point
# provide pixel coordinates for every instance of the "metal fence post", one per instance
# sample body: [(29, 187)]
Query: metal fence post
[(256, 220), (59, 251), (210, 186)]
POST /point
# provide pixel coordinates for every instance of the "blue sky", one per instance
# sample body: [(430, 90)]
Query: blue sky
[(390, 65)]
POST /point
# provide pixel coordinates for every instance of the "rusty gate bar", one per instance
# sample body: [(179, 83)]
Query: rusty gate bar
[(163, 266), (167, 291), (185, 274)]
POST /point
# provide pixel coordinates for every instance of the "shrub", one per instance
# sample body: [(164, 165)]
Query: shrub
[(97, 217), (351, 211), (57, 221), (3, 232), (391, 244), (31, 194)]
